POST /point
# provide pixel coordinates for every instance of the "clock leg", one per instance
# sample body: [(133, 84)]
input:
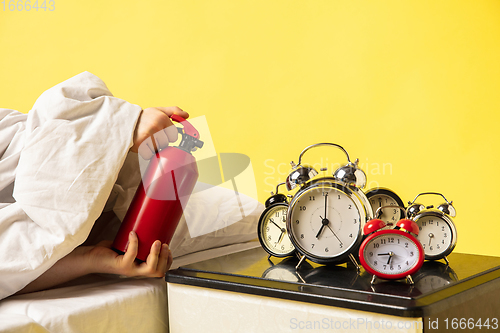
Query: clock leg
[(270, 261), (358, 268), (409, 279), (300, 262), (446, 260), (300, 277)]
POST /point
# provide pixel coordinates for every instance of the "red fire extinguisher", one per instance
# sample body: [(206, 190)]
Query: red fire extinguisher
[(156, 207)]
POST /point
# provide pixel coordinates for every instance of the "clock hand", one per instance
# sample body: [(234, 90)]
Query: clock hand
[(275, 224), (326, 203), (390, 257), (320, 230), (322, 226), (431, 235), (335, 234), (391, 254), (281, 237)]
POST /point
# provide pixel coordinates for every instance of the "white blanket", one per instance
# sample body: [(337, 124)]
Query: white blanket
[(58, 166)]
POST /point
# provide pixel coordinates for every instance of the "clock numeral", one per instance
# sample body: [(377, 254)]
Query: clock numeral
[(302, 207), (376, 245), (411, 253), (341, 245), (437, 246), (267, 229), (445, 235), (350, 206), (382, 241), (399, 267), (269, 237), (390, 240), (355, 221), (301, 236), (407, 263), (278, 214), (339, 196), (385, 267), (424, 224), (437, 223), (430, 248), (350, 235), (375, 262), (311, 198), (282, 247), (442, 241), (312, 246), (326, 249), (431, 222), (370, 254), (406, 245), (442, 228)]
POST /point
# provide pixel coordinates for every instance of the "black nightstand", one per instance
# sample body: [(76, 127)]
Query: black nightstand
[(246, 292)]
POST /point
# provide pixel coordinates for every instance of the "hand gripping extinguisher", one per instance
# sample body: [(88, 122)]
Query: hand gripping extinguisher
[(156, 207)]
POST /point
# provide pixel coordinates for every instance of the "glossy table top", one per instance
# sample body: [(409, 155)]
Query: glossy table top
[(435, 283)]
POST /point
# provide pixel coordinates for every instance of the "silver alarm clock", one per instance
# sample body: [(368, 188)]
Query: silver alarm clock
[(438, 234), (326, 215)]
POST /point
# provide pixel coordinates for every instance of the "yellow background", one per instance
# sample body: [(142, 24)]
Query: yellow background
[(411, 88)]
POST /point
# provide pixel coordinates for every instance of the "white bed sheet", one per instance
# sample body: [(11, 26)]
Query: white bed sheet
[(100, 303)]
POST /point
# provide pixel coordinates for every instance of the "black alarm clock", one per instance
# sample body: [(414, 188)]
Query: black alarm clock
[(271, 229)]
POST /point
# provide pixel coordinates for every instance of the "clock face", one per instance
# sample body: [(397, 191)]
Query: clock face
[(384, 197), (391, 254), (272, 231), (324, 223), (436, 235)]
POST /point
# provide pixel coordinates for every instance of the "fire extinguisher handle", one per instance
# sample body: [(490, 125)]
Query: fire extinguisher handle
[(188, 128)]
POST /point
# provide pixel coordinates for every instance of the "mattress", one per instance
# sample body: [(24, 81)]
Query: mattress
[(100, 303)]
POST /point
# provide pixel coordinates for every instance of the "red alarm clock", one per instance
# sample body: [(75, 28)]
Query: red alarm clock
[(391, 254)]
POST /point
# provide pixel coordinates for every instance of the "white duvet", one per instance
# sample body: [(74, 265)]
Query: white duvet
[(58, 166)]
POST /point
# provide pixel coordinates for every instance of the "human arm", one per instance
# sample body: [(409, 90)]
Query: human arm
[(102, 259)]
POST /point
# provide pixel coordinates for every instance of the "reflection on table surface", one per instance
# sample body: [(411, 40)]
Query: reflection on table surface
[(433, 276)]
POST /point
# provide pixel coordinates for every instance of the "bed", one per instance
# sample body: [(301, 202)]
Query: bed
[(105, 303)]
